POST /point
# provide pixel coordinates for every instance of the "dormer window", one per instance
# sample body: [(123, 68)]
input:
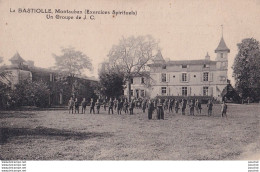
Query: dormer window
[(205, 66), (221, 55)]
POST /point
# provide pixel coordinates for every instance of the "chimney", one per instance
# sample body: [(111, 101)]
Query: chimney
[(207, 57)]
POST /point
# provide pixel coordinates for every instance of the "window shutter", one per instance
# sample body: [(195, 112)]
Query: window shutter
[(201, 91), (160, 77), (180, 92), (188, 79), (180, 75), (211, 91), (168, 77), (201, 77), (211, 76), (189, 91)]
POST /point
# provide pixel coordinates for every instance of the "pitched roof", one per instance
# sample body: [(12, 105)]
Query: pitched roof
[(17, 58), (159, 57), (191, 62), (222, 46), (185, 62), (8, 67), (140, 74)]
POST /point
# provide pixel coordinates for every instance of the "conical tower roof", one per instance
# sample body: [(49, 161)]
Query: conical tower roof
[(159, 58), (16, 59), (222, 46)]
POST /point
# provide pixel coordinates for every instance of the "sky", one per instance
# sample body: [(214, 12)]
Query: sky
[(186, 29)]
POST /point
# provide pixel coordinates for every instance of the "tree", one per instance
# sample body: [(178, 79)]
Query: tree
[(229, 93), (72, 63), (5, 85), (4, 90), (111, 83), (131, 56), (31, 94), (1, 59), (246, 69)]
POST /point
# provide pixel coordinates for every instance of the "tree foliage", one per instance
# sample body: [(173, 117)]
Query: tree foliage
[(230, 94), (132, 54), (246, 68), (4, 96), (5, 86), (72, 63), (29, 93), (111, 83)]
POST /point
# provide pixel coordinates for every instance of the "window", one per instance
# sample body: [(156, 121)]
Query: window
[(142, 93), (132, 80), (184, 91), (184, 77), (194, 76), (163, 90), (164, 67), (132, 93), (221, 55), (163, 77), (142, 80), (205, 76), (183, 66), (205, 91)]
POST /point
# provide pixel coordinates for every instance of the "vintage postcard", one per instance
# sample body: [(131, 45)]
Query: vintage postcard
[(129, 80)]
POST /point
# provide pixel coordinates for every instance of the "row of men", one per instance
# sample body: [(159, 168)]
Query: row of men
[(149, 104)]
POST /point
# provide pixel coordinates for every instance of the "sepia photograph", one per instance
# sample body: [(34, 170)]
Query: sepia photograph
[(130, 80)]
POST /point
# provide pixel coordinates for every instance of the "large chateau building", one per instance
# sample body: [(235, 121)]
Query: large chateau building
[(203, 78)]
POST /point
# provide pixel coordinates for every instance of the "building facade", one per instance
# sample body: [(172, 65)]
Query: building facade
[(186, 78), (21, 70), (140, 86)]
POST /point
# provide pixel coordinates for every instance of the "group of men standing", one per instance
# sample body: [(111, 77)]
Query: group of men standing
[(74, 105), (119, 105), (192, 104), (172, 105)]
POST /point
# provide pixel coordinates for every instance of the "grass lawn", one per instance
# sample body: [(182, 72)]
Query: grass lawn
[(57, 135)]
